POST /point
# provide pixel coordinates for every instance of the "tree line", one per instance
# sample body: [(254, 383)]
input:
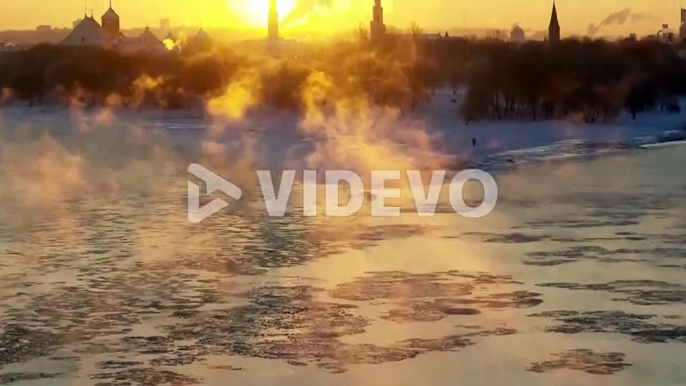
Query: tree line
[(592, 79)]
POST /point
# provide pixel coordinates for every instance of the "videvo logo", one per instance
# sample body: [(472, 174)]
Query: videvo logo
[(426, 199)]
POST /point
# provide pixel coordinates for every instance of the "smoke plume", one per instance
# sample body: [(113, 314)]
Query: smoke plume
[(304, 8), (617, 18)]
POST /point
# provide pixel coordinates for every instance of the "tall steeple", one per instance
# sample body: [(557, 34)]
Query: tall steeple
[(273, 27), (377, 28), (554, 27), (111, 22)]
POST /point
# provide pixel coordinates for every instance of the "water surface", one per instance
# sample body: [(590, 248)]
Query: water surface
[(577, 277)]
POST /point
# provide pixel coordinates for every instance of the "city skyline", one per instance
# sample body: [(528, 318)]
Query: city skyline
[(639, 16)]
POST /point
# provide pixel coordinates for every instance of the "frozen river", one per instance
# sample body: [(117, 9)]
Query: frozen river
[(577, 277)]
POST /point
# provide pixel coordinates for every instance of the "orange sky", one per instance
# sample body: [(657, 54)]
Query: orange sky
[(575, 15)]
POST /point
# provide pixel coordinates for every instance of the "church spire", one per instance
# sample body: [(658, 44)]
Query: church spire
[(554, 22), (554, 27)]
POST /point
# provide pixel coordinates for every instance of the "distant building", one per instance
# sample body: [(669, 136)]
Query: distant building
[(554, 27), (44, 28), (87, 33), (436, 36), (424, 36), (199, 43), (517, 34), (665, 35), (273, 37), (149, 39), (76, 22), (111, 23), (682, 26), (377, 28), (273, 22), (165, 25), (146, 42), (202, 37)]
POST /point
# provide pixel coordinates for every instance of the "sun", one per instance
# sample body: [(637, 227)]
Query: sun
[(254, 12)]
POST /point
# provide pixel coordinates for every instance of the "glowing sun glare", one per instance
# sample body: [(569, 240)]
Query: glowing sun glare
[(254, 12), (168, 44)]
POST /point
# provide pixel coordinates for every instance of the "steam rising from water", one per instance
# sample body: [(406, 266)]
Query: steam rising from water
[(334, 124)]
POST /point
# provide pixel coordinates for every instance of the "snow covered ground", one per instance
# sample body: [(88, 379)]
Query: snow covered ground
[(508, 142), (280, 139)]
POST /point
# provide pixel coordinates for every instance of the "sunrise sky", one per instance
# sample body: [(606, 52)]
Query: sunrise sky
[(575, 15)]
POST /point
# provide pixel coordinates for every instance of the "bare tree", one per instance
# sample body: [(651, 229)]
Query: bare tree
[(415, 31)]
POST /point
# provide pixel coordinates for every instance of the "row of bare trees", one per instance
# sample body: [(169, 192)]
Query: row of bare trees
[(595, 80), (592, 79)]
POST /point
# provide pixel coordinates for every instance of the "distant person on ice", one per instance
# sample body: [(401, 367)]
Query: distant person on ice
[(473, 142)]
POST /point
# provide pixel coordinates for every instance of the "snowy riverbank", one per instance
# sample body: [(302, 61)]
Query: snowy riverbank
[(497, 144), (503, 143)]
